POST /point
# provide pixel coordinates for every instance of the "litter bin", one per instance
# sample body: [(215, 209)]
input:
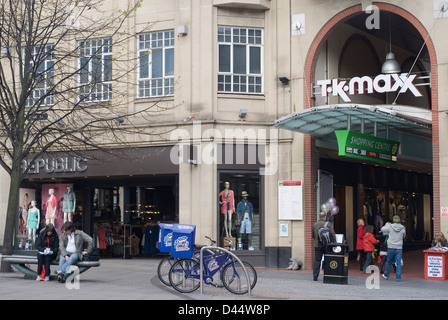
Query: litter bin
[(165, 237), (336, 263), (183, 241)]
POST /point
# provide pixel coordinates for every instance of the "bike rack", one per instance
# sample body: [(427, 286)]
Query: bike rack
[(228, 252)]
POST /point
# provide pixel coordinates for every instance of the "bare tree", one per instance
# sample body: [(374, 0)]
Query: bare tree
[(57, 69)]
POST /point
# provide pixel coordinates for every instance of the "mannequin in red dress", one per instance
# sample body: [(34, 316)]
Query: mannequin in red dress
[(52, 202)]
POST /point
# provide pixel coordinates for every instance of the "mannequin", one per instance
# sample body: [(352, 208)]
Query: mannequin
[(69, 204), (227, 208), (33, 221), (245, 212), (52, 203)]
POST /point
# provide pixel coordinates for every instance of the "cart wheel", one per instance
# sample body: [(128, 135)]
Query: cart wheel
[(234, 278), (163, 270), (184, 275)]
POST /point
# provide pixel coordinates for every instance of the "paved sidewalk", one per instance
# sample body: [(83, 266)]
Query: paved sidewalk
[(136, 279)]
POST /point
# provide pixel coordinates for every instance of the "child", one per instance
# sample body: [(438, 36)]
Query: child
[(382, 258), (369, 246)]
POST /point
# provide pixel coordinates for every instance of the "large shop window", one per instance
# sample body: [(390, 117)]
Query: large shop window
[(240, 217)]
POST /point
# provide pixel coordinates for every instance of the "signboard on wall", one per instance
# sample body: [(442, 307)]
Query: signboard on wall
[(290, 206), (362, 146)]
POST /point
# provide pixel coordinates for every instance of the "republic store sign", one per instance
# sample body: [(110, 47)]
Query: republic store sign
[(360, 85), (362, 146)]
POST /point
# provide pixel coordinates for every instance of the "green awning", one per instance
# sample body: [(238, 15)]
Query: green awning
[(324, 120)]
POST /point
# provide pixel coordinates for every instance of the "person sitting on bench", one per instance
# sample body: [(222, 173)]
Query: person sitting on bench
[(47, 245), (71, 243)]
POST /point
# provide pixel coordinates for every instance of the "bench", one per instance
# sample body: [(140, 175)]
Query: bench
[(21, 264)]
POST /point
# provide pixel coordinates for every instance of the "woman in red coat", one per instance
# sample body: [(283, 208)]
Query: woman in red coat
[(360, 244)]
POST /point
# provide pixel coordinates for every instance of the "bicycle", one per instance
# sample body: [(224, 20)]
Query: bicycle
[(184, 275), (166, 263)]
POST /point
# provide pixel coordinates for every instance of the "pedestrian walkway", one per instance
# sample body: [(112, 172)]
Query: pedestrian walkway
[(136, 279)]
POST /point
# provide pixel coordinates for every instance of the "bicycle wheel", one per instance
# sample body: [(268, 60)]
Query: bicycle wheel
[(163, 270), (184, 275), (234, 277)]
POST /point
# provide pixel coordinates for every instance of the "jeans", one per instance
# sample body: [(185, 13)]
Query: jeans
[(394, 255), (64, 264), (369, 260)]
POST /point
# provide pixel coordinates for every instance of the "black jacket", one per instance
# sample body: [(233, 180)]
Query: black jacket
[(42, 243)]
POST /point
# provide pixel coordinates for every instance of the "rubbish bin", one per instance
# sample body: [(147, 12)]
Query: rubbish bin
[(336, 263), (165, 237), (183, 241)]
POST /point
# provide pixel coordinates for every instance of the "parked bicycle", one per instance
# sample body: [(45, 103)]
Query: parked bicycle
[(219, 269)]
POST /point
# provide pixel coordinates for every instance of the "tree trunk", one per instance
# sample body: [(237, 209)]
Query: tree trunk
[(11, 217)]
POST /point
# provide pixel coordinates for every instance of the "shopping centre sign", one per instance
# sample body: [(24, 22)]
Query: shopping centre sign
[(360, 85), (362, 146)]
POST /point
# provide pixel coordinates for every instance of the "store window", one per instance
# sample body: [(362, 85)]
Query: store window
[(156, 59), (240, 214), (240, 55)]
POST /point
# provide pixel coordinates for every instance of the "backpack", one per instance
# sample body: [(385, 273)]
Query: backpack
[(323, 234)]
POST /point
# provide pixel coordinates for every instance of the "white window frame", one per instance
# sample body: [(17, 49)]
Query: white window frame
[(147, 86), (246, 83), (42, 87), (102, 89)]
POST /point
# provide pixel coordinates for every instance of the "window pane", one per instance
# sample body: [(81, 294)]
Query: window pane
[(108, 68), (239, 59), (84, 70), (169, 62), (157, 63), (144, 64), (255, 60), (96, 69), (224, 58)]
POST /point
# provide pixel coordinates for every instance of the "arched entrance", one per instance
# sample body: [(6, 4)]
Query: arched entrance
[(312, 157)]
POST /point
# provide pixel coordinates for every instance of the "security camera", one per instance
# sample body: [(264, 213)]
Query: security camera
[(243, 113)]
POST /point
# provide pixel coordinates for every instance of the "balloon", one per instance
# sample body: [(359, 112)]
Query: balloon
[(334, 210), (331, 202), (324, 208)]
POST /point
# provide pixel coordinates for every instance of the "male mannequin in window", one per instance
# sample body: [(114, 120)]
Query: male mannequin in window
[(69, 204), (52, 202), (245, 212), (227, 203)]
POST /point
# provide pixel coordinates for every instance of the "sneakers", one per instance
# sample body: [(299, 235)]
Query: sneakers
[(384, 277), (40, 279), (61, 278)]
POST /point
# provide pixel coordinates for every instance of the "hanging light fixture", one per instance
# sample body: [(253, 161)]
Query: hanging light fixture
[(390, 65)]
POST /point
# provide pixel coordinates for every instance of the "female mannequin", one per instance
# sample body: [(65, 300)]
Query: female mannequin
[(227, 208), (33, 221), (69, 204), (52, 203)]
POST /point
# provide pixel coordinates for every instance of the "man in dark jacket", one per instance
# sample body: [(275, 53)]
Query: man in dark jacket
[(319, 249)]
